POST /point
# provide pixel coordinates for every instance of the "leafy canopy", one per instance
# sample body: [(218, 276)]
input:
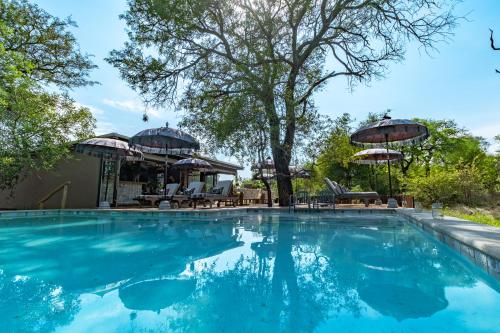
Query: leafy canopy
[(37, 127), (232, 63), (45, 43)]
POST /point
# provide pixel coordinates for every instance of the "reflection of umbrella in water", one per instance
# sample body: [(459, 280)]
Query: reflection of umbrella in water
[(376, 156), (106, 148), (166, 140), (403, 302), (387, 130), (156, 294)]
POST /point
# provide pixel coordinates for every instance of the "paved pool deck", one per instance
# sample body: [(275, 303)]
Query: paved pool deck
[(480, 243)]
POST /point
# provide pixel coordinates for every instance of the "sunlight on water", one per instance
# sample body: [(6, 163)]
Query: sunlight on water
[(251, 273)]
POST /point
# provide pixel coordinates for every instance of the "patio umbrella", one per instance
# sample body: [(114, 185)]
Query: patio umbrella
[(387, 130), (192, 163), (376, 156), (402, 131), (268, 166), (106, 148), (165, 140)]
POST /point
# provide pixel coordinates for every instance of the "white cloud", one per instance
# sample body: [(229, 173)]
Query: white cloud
[(105, 127), (488, 132), (95, 111), (134, 106), (102, 125)]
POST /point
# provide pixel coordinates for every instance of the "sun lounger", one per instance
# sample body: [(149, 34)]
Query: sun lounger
[(193, 189), (153, 199), (340, 192), (221, 192)]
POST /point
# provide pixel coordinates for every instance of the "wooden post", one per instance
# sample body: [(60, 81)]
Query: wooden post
[(64, 196)]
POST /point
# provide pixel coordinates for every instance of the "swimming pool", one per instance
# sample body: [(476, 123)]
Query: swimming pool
[(251, 272)]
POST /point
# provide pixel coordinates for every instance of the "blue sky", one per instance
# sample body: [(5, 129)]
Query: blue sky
[(457, 82)]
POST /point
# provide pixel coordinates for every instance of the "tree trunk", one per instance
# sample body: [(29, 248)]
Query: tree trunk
[(284, 181), (268, 189), (282, 151)]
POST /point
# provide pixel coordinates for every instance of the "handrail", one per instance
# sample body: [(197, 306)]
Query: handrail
[(291, 203), (293, 200), (64, 187)]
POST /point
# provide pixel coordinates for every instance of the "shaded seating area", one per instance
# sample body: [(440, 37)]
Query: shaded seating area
[(220, 193), (188, 195), (339, 192), (144, 182), (153, 199)]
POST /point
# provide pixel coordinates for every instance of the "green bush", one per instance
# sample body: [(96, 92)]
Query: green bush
[(440, 185), (470, 185), (450, 186)]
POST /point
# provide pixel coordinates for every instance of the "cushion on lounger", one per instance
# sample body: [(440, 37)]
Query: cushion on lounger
[(189, 191), (336, 189), (216, 190), (343, 189)]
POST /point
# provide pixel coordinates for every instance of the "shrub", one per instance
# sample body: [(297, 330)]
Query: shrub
[(440, 185)]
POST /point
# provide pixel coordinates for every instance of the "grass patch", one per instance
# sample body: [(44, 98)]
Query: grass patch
[(483, 216)]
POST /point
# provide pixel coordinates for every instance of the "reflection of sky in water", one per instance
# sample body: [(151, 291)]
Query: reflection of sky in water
[(243, 274)]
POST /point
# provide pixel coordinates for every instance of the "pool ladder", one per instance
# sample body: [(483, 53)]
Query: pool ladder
[(313, 205)]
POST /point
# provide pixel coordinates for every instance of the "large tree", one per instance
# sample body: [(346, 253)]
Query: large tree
[(37, 127), (45, 42), (217, 57)]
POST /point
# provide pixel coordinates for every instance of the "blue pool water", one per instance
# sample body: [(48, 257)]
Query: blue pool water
[(248, 273)]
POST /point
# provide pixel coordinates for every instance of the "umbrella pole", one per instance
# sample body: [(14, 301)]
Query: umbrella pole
[(115, 184), (166, 171), (106, 169), (388, 165)]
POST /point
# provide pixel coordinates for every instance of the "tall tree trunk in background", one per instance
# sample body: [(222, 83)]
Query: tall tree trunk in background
[(282, 151), (284, 182)]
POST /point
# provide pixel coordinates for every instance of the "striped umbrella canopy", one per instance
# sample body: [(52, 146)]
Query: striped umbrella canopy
[(108, 148), (165, 140), (377, 156), (192, 163), (295, 171), (402, 131)]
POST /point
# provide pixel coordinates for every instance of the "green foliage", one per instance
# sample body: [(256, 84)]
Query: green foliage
[(464, 184), (483, 217), (238, 65), (37, 127), (451, 166), (45, 43), (441, 185)]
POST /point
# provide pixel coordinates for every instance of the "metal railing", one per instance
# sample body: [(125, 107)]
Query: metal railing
[(64, 187), (313, 202)]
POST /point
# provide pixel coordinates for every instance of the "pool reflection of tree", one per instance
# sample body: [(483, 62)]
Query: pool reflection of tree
[(303, 274), (300, 274), (31, 305), (99, 255)]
